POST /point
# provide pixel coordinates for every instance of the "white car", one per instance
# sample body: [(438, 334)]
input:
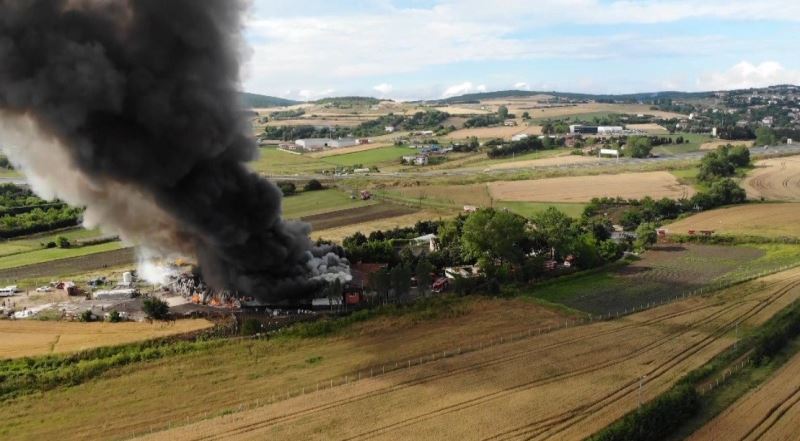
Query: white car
[(44, 289)]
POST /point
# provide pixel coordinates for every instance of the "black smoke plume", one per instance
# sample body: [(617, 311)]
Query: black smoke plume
[(130, 108)]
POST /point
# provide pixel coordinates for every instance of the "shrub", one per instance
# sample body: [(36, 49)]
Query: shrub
[(155, 308), (114, 316), (62, 242), (287, 188), (86, 316), (313, 185)]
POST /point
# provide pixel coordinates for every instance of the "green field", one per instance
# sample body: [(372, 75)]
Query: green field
[(695, 141), (528, 209), (50, 254), (318, 202), (37, 242), (273, 161), (372, 157)]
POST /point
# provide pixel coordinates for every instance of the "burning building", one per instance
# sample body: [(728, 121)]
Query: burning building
[(110, 106)]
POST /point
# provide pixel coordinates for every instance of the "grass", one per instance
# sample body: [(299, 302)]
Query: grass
[(528, 209), (50, 254), (695, 141), (318, 202), (372, 157), (272, 161), (37, 242)]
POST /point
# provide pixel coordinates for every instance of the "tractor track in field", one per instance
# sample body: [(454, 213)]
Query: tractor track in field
[(775, 414), (515, 356)]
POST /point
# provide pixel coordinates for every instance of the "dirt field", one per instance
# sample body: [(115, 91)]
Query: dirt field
[(334, 121), (473, 194), (494, 132), (339, 233), (548, 162), (23, 338), (712, 145), (776, 179), (530, 105), (73, 265), (771, 412), (583, 188), (651, 128), (561, 385), (369, 213), (353, 149), (462, 110), (768, 220)]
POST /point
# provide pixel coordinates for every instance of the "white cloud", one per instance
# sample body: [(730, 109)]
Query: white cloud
[(462, 88), (745, 74), (522, 86), (309, 95), (383, 88)]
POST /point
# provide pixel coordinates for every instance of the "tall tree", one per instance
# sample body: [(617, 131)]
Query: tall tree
[(423, 274)]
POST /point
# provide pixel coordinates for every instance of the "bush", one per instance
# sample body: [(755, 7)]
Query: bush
[(155, 308), (114, 316), (287, 188), (62, 242), (251, 327), (86, 316), (313, 185)]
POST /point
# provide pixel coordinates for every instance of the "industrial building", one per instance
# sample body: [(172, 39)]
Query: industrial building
[(595, 130)]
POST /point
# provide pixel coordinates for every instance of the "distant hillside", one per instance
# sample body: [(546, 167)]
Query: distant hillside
[(632, 97), (348, 101), (252, 100)]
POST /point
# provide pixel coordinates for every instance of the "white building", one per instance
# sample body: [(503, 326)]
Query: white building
[(342, 142), (609, 130), (510, 123), (519, 137), (389, 129), (313, 143)]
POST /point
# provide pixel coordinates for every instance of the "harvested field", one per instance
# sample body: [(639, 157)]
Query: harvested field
[(583, 188), (651, 128), (25, 338), (462, 110), (664, 272), (345, 150), (358, 215), (494, 132), (517, 106), (771, 412), (549, 162), (222, 378), (776, 179), (337, 120), (72, 265), (455, 195), (560, 385), (339, 233), (712, 145), (766, 220)]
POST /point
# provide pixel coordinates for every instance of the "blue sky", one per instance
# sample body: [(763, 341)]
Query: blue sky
[(417, 49)]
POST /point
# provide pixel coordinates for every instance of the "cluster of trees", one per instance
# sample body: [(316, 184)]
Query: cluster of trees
[(287, 114), (5, 163), (289, 188), (526, 145), (766, 136), (735, 132), (428, 120), (483, 121), (290, 133), (638, 146), (39, 220), (723, 162)]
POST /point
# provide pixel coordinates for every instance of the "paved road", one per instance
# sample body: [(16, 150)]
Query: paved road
[(755, 152)]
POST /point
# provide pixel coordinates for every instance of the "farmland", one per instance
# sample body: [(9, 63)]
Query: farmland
[(371, 157), (765, 220), (312, 203), (664, 272), (774, 179), (563, 384), (547, 162), (770, 412), (583, 189), (494, 132), (26, 338), (337, 234)]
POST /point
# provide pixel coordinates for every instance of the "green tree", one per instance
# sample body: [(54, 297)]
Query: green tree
[(86, 316), (526, 115), (502, 112), (739, 156), (423, 274), (287, 188), (645, 235), (251, 326), (638, 147), (765, 136), (726, 192), (155, 308), (380, 282), (491, 235), (715, 165), (553, 229), (401, 280), (313, 185), (62, 242)]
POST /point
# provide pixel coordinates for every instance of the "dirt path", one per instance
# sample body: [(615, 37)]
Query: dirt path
[(561, 385)]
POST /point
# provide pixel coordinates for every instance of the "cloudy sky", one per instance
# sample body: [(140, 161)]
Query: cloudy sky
[(415, 49)]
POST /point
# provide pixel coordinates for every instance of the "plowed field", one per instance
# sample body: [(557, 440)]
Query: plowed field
[(776, 179), (561, 385)]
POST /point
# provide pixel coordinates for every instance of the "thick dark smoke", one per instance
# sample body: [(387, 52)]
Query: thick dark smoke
[(130, 107)]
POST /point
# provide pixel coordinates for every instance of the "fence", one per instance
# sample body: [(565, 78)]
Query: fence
[(388, 367)]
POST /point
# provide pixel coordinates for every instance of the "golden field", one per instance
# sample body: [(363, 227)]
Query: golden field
[(768, 220)]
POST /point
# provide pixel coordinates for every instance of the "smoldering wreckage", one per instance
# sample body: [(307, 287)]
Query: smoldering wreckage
[(147, 115)]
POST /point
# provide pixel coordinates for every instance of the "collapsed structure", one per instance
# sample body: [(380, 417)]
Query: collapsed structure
[(110, 106)]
